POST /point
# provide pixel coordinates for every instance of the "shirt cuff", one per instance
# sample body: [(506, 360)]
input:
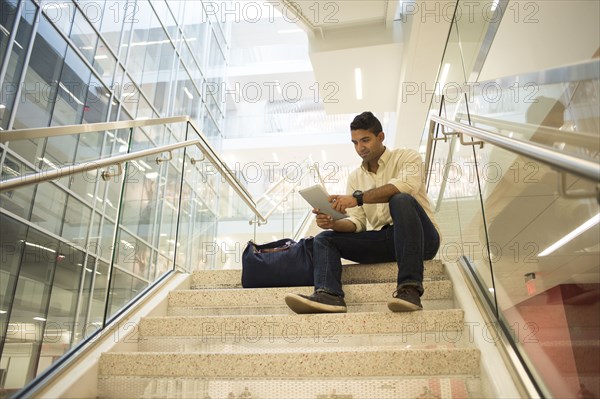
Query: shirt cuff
[(402, 186), (359, 226)]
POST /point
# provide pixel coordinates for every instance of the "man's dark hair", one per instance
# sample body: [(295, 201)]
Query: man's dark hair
[(367, 121)]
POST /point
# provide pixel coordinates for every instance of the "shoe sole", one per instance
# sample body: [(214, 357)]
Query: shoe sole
[(302, 305), (400, 305)]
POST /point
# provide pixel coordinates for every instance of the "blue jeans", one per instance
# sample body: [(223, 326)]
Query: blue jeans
[(409, 241)]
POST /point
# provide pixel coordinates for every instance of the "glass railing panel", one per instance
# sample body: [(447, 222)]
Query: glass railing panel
[(17, 201), (549, 300), (12, 254), (452, 69), (49, 207), (213, 225), (30, 312), (290, 212), (95, 318), (61, 315), (274, 195), (77, 236), (300, 210), (89, 149), (469, 40), (85, 246), (284, 181), (476, 31), (562, 115), (82, 329), (545, 252), (114, 142), (232, 232), (198, 216), (455, 177), (447, 94), (147, 229)]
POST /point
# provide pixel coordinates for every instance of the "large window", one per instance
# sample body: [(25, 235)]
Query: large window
[(80, 245)]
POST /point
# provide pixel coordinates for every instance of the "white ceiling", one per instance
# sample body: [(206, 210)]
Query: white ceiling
[(317, 46), (348, 35)]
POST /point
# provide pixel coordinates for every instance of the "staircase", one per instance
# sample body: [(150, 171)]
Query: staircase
[(219, 340)]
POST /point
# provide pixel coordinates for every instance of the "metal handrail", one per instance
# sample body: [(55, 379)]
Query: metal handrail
[(576, 138), (200, 142), (568, 163), (55, 131), (225, 172), (43, 176)]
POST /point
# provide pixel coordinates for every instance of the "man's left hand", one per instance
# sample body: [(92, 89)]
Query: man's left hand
[(342, 202)]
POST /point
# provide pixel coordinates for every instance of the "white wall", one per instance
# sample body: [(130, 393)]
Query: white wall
[(426, 34), (536, 35)]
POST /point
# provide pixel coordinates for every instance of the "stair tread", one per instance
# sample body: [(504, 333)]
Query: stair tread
[(290, 350), (319, 350), (374, 361), (449, 387), (340, 323), (283, 309), (272, 344), (355, 293), (352, 273)]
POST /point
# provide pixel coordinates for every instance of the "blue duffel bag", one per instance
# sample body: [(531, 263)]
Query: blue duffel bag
[(282, 263)]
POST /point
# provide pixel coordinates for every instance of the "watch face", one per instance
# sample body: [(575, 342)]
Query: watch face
[(358, 195)]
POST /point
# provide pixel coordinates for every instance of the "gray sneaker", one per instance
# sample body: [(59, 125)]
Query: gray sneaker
[(318, 302), (406, 299)]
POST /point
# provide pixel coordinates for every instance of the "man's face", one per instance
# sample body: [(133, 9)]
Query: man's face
[(367, 145)]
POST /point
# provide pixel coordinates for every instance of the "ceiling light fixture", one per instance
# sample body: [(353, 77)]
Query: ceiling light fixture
[(358, 83)]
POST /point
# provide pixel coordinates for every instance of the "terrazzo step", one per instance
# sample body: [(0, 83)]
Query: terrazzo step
[(358, 362), (283, 309), (324, 331), (254, 342), (290, 344), (450, 387), (352, 274), (359, 297)]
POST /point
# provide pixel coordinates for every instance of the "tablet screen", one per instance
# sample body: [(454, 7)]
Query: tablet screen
[(319, 198)]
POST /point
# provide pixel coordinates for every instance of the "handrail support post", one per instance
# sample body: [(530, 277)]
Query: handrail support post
[(106, 175)]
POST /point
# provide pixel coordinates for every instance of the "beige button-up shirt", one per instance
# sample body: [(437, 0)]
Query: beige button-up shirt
[(402, 168)]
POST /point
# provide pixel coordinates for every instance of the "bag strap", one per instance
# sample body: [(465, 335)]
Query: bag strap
[(276, 246), (270, 250)]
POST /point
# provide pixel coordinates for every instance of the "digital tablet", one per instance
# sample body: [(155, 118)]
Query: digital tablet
[(319, 198)]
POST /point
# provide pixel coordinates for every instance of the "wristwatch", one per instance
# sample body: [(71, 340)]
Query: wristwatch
[(359, 197)]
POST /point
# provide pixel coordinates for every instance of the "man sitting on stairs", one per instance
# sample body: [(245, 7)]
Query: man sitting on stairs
[(390, 219)]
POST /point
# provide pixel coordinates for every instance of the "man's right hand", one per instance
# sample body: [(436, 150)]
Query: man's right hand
[(324, 221)]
